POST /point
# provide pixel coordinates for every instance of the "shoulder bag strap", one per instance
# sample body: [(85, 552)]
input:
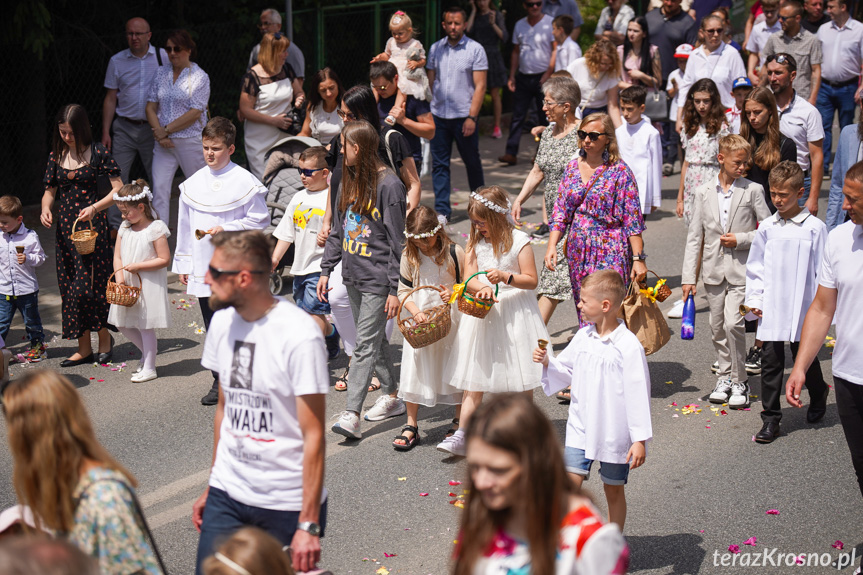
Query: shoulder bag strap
[(390, 149), (454, 257), (158, 55)]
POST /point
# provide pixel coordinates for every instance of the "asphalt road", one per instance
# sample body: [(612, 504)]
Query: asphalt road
[(705, 486)]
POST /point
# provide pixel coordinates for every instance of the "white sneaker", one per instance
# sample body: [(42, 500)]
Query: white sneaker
[(721, 391), (676, 312), (385, 406), (454, 444), (142, 376), (348, 425), (739, 396)]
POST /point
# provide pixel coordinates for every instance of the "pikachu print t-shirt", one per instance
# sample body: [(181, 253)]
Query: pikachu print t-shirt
[(300, 225)]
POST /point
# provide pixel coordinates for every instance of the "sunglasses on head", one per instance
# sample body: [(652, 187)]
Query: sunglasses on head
[(174, 49), (216, 273), (592, 136), (781, 59), (309, 173)]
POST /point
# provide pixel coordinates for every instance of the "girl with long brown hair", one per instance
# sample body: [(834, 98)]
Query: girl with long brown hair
[(759, 124), (72, 484), (430, 258), (367, 239), (522, 512)]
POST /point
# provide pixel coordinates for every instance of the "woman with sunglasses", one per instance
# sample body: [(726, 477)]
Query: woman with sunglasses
[(271, 91), (600, 209), (176, 107)]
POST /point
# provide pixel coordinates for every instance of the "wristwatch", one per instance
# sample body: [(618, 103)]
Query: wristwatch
[(310, 527), (639, 257), (509, 281), (472, 118)]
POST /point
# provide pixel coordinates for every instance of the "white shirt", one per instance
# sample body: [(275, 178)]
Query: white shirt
[(721, 66), (131, 77), (782, 273), (534, 44), (300, 225), (724, 199), (801, 121), (842, 50), (567, 53), (610, 408), (20, 279), (594, 91), (259, 458), (675, 75), (641, 149), (621, 21), (732, 116), (759, 35), (842, 270)]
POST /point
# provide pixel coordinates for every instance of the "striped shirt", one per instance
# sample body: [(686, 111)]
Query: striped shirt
[(453, 83)]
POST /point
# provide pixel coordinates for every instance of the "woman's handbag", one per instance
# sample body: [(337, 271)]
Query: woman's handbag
[(644, 318), (656, 106)]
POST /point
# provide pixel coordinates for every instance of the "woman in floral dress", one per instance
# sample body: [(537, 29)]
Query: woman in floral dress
[(71, 185), (600, 209), (557, 147)]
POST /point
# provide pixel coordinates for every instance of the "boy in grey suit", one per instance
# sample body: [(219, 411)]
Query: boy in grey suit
[(725, 215)]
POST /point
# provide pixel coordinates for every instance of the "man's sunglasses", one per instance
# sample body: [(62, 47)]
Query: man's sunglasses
[(309, 173), (592, 136), (532, 4), (216, 273)]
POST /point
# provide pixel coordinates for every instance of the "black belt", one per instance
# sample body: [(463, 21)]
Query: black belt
[(832, 84), (134, 122)]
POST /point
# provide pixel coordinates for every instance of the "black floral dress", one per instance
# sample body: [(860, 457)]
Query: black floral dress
[(82, 279)]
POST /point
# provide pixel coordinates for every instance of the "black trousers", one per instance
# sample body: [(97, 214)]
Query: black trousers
[(772, 372), (849, 401), (207, 314)]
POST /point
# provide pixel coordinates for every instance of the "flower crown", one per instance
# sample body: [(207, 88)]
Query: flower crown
[(490, 204), (424, 235), (145, 193)]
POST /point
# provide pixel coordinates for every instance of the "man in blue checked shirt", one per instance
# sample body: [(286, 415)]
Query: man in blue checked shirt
[(457, 68)]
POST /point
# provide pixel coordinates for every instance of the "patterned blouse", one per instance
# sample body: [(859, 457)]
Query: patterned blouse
[(190, 91), (107, 526)]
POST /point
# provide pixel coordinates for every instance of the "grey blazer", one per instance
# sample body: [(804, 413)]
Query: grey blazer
[(748, 207)]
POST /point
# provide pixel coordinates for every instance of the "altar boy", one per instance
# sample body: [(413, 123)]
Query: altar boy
[(640, 147), (220, 197), (781, 281)]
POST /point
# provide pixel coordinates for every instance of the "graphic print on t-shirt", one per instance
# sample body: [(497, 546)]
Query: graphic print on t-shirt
[(241, 366), (357, 232)]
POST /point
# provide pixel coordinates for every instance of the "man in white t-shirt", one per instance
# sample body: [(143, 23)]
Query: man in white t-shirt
[(268, 459), (531, 65), (839, 294)]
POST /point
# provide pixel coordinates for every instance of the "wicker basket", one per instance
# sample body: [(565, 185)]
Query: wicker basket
[(663, 292), (468, 304), (84, 240), (436, 326), (121, 294)]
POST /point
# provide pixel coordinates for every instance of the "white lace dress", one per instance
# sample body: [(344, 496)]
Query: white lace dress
[(151, 310), (495, 354), (422, 374), (411, 82)]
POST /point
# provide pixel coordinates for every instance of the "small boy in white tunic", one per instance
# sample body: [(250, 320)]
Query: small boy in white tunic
[(609, 416), (781, 281), (220, 197), (640, 147)]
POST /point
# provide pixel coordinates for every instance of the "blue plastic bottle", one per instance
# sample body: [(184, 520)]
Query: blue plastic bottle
[(687, 325)]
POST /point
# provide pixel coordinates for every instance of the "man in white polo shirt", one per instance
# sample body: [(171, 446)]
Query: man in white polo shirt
[(839, 294), (800, 121), (532, 63), (842, 40)]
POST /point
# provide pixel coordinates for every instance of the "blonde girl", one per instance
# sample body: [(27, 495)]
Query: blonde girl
[(142, 249), (430, 258), (409, 57), (494, 354)]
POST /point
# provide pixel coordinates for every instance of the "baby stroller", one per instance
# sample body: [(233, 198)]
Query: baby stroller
[(283, 181)]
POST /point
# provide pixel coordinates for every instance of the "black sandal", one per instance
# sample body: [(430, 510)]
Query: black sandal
[(409, 443), (564, 395), (453, 428)]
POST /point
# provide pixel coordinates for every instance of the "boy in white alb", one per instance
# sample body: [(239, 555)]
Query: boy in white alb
[(609, 417), (568, 51), (640, 147), (300, 225), (219, 197), (781, 281)]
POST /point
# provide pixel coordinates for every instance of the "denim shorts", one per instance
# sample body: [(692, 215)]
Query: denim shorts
[(306, 294), (610, 473)]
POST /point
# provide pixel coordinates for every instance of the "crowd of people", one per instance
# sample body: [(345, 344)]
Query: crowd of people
[(365, 253)]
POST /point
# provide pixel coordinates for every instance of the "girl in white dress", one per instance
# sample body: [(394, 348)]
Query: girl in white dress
[(494, 354), (142, 248), (409, 57), (430, 258)]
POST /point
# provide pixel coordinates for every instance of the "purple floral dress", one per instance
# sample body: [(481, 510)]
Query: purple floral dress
[(603, 214)]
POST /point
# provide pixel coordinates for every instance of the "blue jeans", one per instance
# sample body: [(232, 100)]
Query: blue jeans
[(223, 516), (807, 186), (447, 130), (831, 100), (669, 139), (28, 305), (527, 88)]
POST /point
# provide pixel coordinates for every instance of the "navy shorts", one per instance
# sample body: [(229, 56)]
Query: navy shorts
[(306, 294)]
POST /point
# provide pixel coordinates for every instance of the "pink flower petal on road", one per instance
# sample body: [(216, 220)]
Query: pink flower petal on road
[(390, 554), (772, 512), (424, 494), (838, 545), (751, 541), (734, 548), (454, 482)]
